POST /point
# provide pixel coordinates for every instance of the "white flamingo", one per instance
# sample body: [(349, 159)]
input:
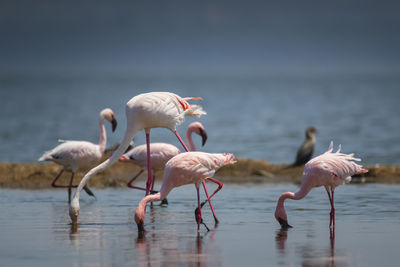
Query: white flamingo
[(143, 112), (73, 155)]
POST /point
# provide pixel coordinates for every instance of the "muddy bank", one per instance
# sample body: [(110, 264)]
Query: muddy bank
[(39, 176)]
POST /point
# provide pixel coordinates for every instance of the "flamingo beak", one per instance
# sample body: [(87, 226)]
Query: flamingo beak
[(140, 227), (123, 159), (204, 136), (114, 123), (74, 217), (284, 224)]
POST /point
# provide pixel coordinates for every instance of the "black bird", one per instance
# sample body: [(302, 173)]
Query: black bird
[(306, 150)]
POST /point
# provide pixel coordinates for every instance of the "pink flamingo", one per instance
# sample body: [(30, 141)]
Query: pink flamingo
[(160, 153), (185, 168), (329, 170), (143, 112), (76, 154)]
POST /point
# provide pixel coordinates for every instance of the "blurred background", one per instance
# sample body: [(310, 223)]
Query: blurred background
[(266, 70)]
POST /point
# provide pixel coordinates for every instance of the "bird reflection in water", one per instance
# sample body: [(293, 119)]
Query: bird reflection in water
[(280, 239), (310, 255), (157, 249)]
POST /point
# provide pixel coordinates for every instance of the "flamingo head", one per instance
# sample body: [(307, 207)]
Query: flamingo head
[(139, 219), (74, 210), (198, 129), (108, 114), (281, 217)]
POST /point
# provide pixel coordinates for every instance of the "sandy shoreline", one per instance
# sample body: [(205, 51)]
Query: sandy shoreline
[(39, 176)]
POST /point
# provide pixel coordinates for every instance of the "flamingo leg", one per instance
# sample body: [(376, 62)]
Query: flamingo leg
[(198, 215), (181, 141), (204, 183), (149, 177), (129, 184), (152, 184), (152, 187), (332, 213), (333, 208), (53, 184), (70, 185), (209, 197)]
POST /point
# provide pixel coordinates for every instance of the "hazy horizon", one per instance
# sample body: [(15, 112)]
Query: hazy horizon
[(206, 37)]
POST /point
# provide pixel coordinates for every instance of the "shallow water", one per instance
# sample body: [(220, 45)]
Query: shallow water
[(35, 229)]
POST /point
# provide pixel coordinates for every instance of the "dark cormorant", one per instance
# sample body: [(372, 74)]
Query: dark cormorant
[(306, 151)]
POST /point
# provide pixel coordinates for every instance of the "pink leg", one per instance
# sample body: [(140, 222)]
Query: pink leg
[(152, 187), (198, 218), (333, 208), (332, 213), (69, 186), (53, 184), (152, 184), (180, 140), (204, 183), (129, 184), (149, 177), (209, 197)]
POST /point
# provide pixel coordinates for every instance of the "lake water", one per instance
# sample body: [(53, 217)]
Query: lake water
[(35, 229), (252, 116)]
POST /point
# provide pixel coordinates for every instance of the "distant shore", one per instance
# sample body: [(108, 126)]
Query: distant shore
[(39, 176)]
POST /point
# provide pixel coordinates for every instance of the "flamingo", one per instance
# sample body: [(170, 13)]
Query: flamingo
[(143, 112), (185, 168), (329, 170), (306, 150), (160, 153), (76, 154)]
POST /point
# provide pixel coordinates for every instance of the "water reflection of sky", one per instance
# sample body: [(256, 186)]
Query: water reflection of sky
[(36, 230)]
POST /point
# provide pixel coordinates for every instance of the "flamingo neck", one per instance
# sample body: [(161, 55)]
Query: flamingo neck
[(129, 134), (103, 135), (190, 140), (141, 208), (304, 189)]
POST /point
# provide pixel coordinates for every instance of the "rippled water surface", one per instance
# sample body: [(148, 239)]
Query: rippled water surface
[(252, 117), (35, 229)]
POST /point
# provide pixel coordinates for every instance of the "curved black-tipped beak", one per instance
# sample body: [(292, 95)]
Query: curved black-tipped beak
[(140, 228), (204, 136), (114, 124), (284, 224)]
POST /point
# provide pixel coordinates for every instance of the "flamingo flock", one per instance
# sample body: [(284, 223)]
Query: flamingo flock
[(160, 153), (168, 110)]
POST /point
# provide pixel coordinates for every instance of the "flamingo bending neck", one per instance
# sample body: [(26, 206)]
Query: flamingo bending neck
[(129, 134), (141, 208), (280, 213)]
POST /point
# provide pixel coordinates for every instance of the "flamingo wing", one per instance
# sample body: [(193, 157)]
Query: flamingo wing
[(73, 153), (337, 166)]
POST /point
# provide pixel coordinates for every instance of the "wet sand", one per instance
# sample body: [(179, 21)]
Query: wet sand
[(40, 175)]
